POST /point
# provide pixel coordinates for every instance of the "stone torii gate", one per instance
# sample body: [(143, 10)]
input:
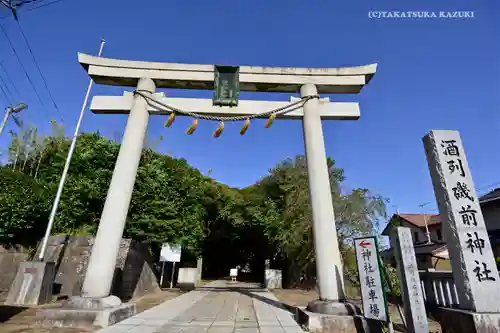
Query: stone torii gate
[(147, 76)]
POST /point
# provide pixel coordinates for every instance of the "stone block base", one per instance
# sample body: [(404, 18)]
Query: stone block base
[(329, 323), (187, 278), (32, 284), (462, 321), (84, 312)]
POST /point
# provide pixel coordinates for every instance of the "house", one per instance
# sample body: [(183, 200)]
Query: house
[(490, 206), (429, 241)]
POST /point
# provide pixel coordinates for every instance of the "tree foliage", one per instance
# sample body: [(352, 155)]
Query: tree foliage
[(289, 226), (173, 202)]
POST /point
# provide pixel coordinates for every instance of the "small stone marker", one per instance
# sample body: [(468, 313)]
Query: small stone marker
[(474, 268), (411, 290), (370, 279)]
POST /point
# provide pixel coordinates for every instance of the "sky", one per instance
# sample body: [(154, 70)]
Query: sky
[(432, 74)]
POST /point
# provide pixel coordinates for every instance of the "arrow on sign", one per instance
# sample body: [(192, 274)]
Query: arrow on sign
[(364, 243)]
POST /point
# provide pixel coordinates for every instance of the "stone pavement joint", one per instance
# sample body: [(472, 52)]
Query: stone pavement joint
[(218, 307)]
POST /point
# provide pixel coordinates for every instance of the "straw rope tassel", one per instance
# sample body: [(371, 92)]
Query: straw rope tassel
[(270, 120), (193, 127), (245, 126), (219, 130), (170, 120)]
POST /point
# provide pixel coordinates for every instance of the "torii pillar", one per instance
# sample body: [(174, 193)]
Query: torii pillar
[(148, 76)]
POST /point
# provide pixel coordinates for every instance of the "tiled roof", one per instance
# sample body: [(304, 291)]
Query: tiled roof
[(493, 195), (417, 220), (420, 219)]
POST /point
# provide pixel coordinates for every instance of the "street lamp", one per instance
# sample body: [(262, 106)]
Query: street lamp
[(11, 109)]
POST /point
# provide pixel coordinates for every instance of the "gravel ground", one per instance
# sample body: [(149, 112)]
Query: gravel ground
[(299, 297)]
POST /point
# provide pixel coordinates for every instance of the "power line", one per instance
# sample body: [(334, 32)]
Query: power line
[(39, 70), (487, 187), (433, 202), (24, 69), (43, 5), (13, 6), (7, 99), (7, 88), (10, 79)]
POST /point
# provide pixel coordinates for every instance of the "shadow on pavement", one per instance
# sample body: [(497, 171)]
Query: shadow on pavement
[(250, 292), (7, 312)]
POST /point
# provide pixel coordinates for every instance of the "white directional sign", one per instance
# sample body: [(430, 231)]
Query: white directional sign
[(372, 292), (170, 252)]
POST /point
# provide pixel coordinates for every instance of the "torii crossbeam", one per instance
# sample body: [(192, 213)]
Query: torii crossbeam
[(123, 104), (147, 76)]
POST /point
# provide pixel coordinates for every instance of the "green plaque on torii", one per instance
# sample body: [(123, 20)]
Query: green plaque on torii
[(226, 85)]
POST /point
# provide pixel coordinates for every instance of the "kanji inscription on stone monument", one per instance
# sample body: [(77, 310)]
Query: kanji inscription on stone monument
[(411, 290), (474, 267)]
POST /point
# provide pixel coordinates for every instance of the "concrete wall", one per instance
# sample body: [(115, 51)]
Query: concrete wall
[(134, 275), (10, 257)]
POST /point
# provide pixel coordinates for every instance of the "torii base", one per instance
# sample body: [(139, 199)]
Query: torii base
[(335, 317), (82, 312)]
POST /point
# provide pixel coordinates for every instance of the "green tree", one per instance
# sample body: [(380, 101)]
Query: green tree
[(173, 202), (22, 208), (289, 223)]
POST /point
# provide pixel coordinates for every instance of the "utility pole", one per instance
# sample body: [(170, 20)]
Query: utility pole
[(427, 233), (55, 205)]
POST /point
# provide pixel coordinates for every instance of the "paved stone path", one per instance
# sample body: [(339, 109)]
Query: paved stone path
[(219, 307)]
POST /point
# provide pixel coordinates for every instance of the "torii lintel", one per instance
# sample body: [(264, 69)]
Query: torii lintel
[(344, 80)]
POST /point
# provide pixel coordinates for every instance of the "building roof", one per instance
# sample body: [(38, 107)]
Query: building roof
[(417, 220), (420, 219), (490, 196), (430, 248)]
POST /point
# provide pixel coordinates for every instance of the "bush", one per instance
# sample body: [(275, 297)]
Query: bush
[(392, 277)]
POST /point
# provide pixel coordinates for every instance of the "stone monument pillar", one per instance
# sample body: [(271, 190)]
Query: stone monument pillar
[(472, 261), (411, 290)]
